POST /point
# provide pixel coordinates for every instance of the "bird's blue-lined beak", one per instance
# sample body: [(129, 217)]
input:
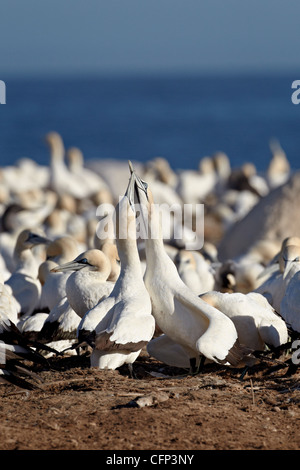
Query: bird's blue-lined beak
[(138, 182)]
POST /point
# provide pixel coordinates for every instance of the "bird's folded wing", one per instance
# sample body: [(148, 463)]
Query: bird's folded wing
[(193, 303), (129, 333), (223, 328)]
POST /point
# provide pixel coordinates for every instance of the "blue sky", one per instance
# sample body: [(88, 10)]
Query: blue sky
[(129, 36)]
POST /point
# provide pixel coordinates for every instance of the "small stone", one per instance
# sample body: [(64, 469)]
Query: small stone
[(276, 408), (150, 400)]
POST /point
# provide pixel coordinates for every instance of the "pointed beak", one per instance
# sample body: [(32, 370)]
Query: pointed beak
[(36, 239), (71, 266), (287, 267), (129, 193), (138, 183), (130, 167), (268, 270)]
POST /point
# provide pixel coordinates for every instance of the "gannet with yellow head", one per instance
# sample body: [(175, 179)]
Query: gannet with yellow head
[(88, 282)]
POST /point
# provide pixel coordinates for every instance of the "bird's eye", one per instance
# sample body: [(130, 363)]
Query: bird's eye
[(145, 184), (297, 259), (83, 261)]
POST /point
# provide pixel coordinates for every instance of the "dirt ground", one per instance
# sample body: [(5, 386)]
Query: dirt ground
[(79, 408)]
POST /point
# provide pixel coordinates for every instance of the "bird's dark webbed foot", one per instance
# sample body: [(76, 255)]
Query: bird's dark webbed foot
[(277, 351), (194, 368), (245, 370), (292, 369), (293, 362), (131, 371)]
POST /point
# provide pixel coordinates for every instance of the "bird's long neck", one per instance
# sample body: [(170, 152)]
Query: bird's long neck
[(57, 152), (128, 253), (126, 239), (25, 262), (156, 254)]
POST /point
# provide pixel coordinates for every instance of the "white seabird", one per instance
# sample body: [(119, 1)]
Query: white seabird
[(125, 320), (87, 284), (255, 319), (24, 282), (59, 251), (195, 271), (8, 303), (62, 180), (14, 348), (185, 318), (274, 288), (88, 178)]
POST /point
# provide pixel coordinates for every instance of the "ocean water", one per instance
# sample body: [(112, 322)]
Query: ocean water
[(139, 118)]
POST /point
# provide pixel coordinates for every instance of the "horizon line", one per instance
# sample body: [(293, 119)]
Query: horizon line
[(153, 73)]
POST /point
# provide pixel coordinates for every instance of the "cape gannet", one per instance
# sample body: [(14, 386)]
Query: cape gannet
[(290, 267), (111, 251), (62, 180), (167, 351), (274, 288), (278, 262), (25, 175), (159, 169), (185, 318), (104, 240), (5, 273), (194, 186), (19, 216), (125, 320), (290, 255), (255, 320), (8, 303), (32, 325), (59, 251), (289, 305), (14, 348), (88, 177), (87, 284), (24, 282), (60, 325), (195, 271), (279, 168)]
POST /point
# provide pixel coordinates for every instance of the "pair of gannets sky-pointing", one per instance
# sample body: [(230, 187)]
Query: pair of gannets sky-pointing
[(196, 326)]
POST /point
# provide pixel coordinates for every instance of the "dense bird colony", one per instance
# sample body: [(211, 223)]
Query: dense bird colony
[(91, 263)]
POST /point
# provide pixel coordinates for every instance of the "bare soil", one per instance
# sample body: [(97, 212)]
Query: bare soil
[(83, 408)]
